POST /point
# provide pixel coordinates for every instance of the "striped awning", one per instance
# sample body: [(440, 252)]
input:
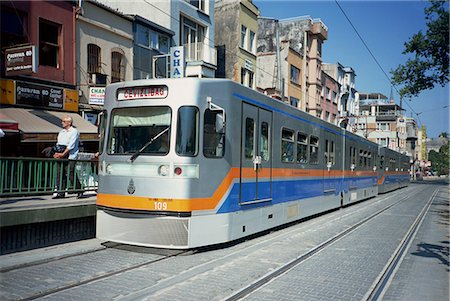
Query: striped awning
[(43, 126)]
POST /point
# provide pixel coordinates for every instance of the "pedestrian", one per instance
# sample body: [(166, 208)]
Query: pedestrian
[(69, 137)]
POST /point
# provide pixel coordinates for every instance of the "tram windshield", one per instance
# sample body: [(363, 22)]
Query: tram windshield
[(132, 129)]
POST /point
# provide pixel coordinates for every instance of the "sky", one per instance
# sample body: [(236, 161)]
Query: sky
[(384, 26)]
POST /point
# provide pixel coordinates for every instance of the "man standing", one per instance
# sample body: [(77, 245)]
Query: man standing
[(70, 138)]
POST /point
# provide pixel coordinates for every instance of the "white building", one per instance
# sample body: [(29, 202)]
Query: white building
[(191, 21)]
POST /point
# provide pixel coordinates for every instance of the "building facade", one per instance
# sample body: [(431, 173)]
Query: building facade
[(329, 98), (104, 54), (192, 25), (236, 24), (38, 77), (381, 121), (346, 78), (305, 36)]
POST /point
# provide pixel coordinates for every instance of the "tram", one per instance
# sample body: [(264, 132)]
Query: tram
[(193, 162)]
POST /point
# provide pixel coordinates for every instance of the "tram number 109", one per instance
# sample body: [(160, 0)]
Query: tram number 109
[(160, 205)]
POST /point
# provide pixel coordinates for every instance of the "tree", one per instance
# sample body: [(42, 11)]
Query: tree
[(440, 160), (430, 65)]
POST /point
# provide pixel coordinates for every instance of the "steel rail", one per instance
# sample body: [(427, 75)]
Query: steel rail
[(382, 282), (297, 261), (99, 277)]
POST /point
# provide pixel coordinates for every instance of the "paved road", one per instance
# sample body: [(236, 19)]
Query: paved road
[(344, 270)]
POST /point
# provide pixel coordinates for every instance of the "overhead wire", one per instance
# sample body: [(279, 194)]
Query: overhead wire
[(304, 94), (371, 53)]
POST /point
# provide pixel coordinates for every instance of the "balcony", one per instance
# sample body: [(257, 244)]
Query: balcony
[(387, 116), (196, 52)]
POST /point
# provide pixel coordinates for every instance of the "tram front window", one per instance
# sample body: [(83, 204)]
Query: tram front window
[(145, 130)]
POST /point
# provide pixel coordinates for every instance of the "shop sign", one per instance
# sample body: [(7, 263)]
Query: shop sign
[(20, 60), (97, 95), (177, 62), (39, 95)]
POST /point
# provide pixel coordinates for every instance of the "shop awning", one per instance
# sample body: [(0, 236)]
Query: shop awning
[(7, 124), (43, 126)]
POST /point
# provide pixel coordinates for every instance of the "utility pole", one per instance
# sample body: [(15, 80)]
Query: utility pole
[(278, 58)]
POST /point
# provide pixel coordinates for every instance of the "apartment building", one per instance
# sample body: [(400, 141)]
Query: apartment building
[(381, 121), (329, 98), (345, 76), (291, 75), (192, 25), (104, 54), (236, 24), (305, 36)]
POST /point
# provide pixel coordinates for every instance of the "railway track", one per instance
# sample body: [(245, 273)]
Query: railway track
[(241, 294), (379, 203)]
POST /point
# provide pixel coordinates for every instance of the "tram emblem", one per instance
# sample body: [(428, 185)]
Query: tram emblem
[(131, 189)]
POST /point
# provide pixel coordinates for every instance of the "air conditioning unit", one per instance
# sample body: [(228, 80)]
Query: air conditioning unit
[(97, 78)]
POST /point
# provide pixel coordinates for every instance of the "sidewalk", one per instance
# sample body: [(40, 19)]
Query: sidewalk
[(35, 209)]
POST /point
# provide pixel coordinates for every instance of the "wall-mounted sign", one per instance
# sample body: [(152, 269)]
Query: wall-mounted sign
[(150, 92), (248, 65), (97, 95), (20, 60), (177, 62), (39, 95)]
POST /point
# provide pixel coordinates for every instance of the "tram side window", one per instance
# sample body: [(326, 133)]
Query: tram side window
[(187, 131), (313, 150), (381, 162), (249, 138), (287, 145), (264, 142), (302, 148), (213, 135), (361, 158), (102, 117), (332, 153), (369, 159)]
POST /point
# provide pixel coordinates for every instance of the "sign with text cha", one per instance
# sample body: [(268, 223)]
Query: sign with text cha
[(97, 95), (20, 60), (177, 62)]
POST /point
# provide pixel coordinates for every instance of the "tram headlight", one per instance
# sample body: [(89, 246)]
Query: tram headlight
[(163, 170), (109, 169)]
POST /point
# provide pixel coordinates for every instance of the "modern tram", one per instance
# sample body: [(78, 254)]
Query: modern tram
[(193, 162)]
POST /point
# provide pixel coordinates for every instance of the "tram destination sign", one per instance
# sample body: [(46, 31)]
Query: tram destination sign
[(149, 92)]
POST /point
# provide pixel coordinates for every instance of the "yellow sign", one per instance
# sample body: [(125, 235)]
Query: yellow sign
[(71, 100), (7, 92)]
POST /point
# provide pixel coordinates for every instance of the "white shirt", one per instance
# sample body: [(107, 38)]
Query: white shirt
[(70, 138)]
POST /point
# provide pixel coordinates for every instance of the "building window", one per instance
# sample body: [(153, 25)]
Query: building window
[(117, 66), (49, 40), (151, 39), (94, 59), (13, 26), (192, 38), (247, 78), (293, 101), (243, 37), (382, 126), (295, 75), (252, 45), (200, 4)]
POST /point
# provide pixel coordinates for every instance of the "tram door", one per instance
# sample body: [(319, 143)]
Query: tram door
[(330, 164), (256, 157)]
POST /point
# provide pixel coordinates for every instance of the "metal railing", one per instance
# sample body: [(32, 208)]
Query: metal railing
[(39, 176)]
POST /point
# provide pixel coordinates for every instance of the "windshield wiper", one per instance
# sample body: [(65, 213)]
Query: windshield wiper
[(136, 154)]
